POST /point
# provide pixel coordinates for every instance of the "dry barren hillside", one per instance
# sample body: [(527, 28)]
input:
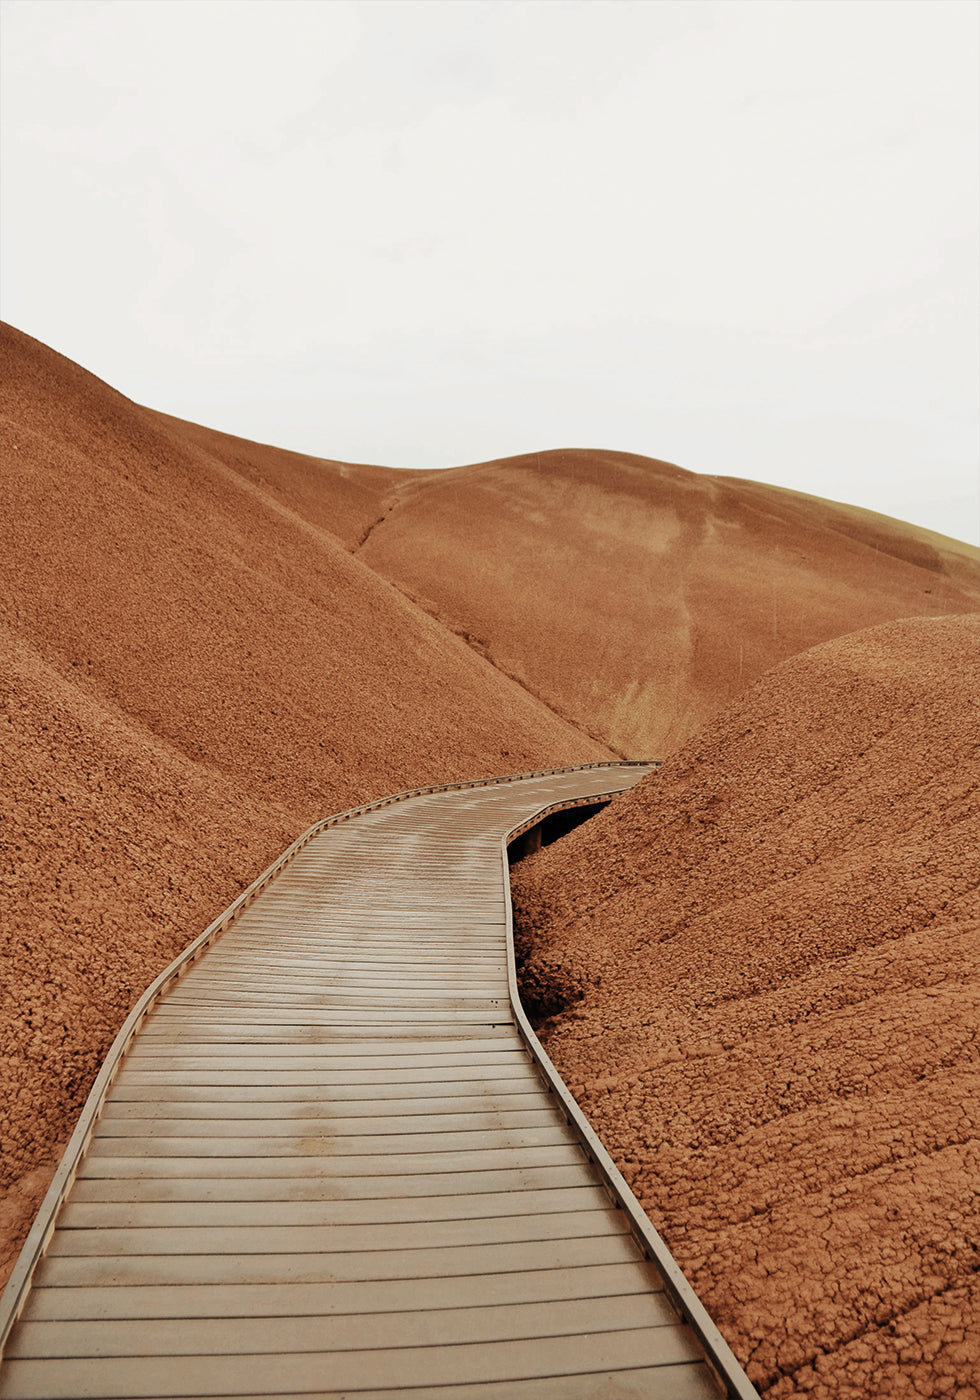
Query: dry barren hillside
[(637, 598), (761, 971), (195, 669)]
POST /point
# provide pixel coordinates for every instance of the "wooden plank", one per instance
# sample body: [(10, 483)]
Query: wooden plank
[(324, 1143), (327, 993), (340, 1016), (343, 1096), (397, 1367), (441, 918), (318, 1239), (487, 1121), (207, 1110), (375, 1001), (380, 1209), (371, 930), (573, 1172), (325, 1047), (366, 1331), (364, 971), (438, 983), (393, 981), (298, 1034), (391, 1050), (322, 956), (477, 929), (340, 1165), (346, 1298), (357, 1023), (515, 1068), (340, 1054), (372, 927), (87, 1271), (689, 1381), (309, 983)]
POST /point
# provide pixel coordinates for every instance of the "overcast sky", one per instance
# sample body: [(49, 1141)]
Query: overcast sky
[(740, 236)]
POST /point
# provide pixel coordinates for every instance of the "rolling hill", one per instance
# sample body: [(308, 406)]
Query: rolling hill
[(636, 598)]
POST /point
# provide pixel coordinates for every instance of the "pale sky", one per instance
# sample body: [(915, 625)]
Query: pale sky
[(742, 236)]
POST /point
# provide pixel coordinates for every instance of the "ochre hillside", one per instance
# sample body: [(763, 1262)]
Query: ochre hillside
[(761, 966), (637, 598), (194, 671)]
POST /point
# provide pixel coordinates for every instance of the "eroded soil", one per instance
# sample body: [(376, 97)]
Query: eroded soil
[(767, 958)]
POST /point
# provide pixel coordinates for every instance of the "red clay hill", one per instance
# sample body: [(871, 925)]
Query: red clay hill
[(636, 598), (761, 969), (209, 643)]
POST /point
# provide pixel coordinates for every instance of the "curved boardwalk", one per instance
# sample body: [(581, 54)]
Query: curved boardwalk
[(329, 1167)]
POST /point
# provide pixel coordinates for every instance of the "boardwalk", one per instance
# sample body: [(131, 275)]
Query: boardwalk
[(329, 1167)]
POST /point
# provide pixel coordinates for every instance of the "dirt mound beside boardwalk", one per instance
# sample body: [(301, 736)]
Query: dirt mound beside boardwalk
[(763, 962)]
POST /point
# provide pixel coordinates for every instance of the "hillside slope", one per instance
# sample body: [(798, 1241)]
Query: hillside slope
[(637, 598), (194, 671), (761, 971), (344, 498)]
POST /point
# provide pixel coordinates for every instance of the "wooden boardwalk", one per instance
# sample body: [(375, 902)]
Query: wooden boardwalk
[(329, 1166)]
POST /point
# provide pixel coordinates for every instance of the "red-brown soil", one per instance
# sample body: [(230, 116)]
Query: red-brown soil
[(766, 956), (195, 670), (637, 598)]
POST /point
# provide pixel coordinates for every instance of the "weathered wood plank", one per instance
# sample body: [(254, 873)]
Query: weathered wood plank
[(391, 982), (689, 1381), (350, 1018), (365, 1331), (392, 1051), (377, 1185), (342, 1239), (338, 1371), (343, 1097), (344, 1298), (487, 1121), (85, 1271), (325, 1143), (153, 1107), (374, 1210), (512, 1067), (337, 1165)]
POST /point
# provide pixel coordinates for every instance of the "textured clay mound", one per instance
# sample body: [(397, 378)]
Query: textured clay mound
[(194, 671), (637, 598), (761, 971), (342, 497)]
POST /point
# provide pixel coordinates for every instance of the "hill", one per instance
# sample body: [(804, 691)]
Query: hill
[(759, 969), (636, 598)]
